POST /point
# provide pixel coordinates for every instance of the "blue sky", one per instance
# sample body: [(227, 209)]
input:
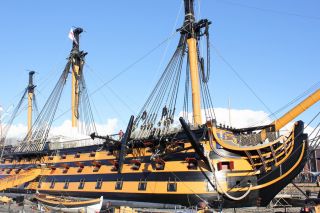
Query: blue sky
[(273, 45)]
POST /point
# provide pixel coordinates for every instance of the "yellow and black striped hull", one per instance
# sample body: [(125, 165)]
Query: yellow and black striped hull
[(91, 174)]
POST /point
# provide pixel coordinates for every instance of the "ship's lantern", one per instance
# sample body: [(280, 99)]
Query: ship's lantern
[(135, 164), (226, 165), (192, 163)]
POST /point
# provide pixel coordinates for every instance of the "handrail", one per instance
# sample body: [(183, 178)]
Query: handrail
[(239, 148)]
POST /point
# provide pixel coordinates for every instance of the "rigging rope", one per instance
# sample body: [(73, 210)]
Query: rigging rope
[(85, 117), (99, 77), (133, 64), (7, 127), (125, 69), (163, 95), (42, 125), (242, 80), (294, 100)]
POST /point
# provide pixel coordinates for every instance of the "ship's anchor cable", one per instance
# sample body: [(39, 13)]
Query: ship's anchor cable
[(232, 197), (205, 158)]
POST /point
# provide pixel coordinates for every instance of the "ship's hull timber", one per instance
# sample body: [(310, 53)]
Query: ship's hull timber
[(89, 172)]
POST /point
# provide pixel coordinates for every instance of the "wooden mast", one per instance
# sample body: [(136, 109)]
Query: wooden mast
[(189, 23), (30, 102), (76, 61)]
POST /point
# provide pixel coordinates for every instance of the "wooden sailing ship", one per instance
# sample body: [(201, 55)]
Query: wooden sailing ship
[(159, 160)]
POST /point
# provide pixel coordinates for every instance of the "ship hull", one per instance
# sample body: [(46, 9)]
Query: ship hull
[(284, 173), (176, 184)]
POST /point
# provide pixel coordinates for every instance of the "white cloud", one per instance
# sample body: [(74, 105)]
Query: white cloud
[(240, 118), (109, 128), (19, 131)]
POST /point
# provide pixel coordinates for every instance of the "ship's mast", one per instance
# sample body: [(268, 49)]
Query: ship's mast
[(31, 87), (189, 25), (77, 61)]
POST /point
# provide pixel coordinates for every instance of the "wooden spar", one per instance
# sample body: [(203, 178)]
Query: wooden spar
[(30, 102), (193, 61), (292, 114), (76, 73), (75, 95), (297, 110)]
